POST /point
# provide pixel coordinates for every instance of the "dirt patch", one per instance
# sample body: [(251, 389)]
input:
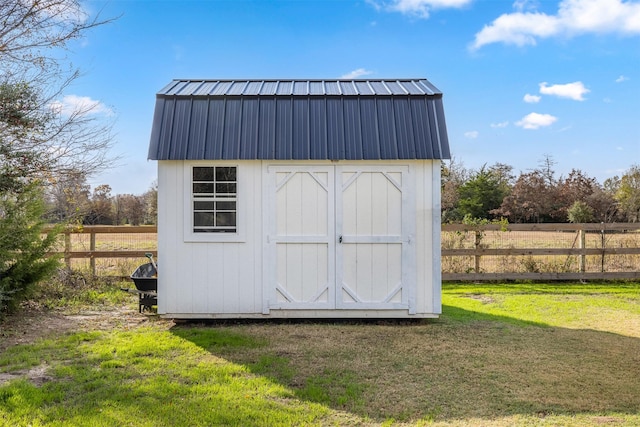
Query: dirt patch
[(485, 299), (31, 323), (37, 376)]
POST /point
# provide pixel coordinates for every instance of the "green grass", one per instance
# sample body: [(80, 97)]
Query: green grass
[(147, 377), (604, 307), (500, 355)]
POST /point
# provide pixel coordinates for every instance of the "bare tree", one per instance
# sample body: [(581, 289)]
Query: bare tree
[(37, 135), (545, 168), (69, 198), (101, 207), (151, 202), (130, 209)]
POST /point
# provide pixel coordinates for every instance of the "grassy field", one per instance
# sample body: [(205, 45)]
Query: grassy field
[(500, 355)]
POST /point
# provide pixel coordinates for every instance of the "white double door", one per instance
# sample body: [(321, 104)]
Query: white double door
[(340, 237)]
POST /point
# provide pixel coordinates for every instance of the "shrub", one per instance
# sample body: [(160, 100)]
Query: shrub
[(23, 249)]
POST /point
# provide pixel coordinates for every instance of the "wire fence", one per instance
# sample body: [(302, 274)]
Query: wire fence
[(540, 251), (107, 250)]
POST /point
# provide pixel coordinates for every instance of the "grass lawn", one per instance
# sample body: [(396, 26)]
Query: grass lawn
[(500, 355)]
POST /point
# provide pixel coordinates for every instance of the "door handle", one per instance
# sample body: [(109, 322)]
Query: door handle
[(340, 239)]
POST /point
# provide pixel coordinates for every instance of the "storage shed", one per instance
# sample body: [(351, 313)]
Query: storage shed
[(299, 198)]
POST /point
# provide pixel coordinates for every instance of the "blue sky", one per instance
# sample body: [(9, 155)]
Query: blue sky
[(521, 80)]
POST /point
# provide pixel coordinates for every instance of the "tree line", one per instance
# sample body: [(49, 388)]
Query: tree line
[(70, 200), (489, 193), (538, 195)]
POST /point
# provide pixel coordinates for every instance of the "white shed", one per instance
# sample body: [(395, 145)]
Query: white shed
[(299, 198)]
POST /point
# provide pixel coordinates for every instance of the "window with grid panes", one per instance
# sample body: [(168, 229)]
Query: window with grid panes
[(214, 199)]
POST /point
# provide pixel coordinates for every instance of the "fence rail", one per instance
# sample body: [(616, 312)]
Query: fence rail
[(491, 252)]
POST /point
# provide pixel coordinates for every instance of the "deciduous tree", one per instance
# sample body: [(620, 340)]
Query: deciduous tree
[(101, 211), (533, 199), (37, 136), (68, 198), (452, 174), (130, 209), (628, 194), (151, 202)]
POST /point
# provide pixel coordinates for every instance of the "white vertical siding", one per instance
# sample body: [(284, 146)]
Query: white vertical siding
[(436, 249), (200, 278), (428, 236), (170, 212), (204, 277)]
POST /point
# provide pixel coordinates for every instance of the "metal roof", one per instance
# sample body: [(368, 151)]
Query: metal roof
[(299, 120)]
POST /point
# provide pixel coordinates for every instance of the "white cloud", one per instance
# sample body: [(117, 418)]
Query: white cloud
[(574, 90), (473, 134), (499, 125), (80, 105), (420, 8), (536, 121), (531, 99), (622, 79), (574, 17), (522, 5), (356, 74), (375, 3)]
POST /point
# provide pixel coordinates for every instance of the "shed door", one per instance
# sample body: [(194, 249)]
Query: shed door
[(300, 237), (339, 237), (375, 261)]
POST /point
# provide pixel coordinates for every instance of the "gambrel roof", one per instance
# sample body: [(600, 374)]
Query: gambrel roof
[(299, 120)]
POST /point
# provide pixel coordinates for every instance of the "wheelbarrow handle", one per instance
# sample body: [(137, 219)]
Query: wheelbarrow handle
[(150, 256)]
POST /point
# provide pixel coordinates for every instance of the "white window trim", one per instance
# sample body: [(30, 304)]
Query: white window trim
[(241, 196)]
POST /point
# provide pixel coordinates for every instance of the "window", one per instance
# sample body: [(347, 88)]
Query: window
[(214, 199)]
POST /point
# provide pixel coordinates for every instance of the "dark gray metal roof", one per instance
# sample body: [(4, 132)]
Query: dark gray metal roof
[(299, 120)]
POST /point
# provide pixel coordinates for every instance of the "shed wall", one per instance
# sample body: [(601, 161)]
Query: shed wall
[(225, 279), (202, 277)]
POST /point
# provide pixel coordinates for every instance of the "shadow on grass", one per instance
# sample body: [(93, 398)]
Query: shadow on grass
[(464, 365)]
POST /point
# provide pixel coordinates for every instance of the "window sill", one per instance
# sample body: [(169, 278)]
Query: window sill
[(214, 238)]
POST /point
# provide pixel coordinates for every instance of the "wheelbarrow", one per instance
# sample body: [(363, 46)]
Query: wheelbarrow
[(145, 278)]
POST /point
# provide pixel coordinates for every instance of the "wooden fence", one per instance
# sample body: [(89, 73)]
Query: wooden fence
[(93, 243), (540, 252), (469, 253)]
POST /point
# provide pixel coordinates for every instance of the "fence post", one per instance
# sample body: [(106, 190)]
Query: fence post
[(582, 246), (602, 244), (92, 247), (67, 248), (477, 246)]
